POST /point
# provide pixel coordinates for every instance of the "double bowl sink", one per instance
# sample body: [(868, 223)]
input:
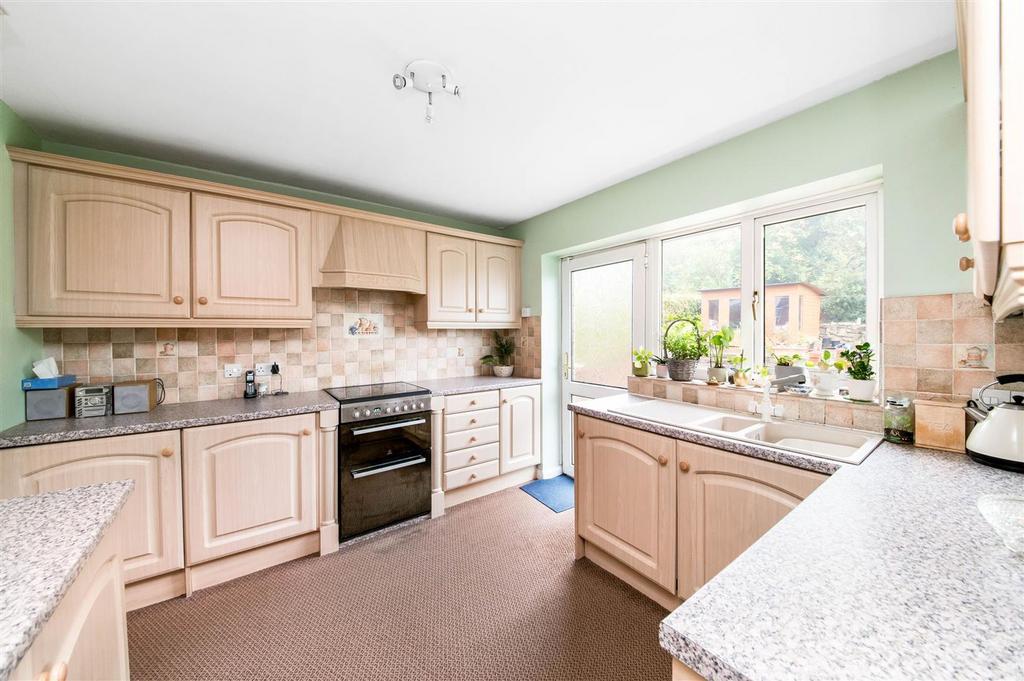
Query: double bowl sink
[(838, 444)]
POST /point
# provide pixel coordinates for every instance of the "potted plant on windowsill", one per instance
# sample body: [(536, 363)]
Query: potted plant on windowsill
[(642, 362), (717, 343), (740, 374), (824, 374), (787, 365), (684, 350), (660, 366), (861, 383), (502, 354)]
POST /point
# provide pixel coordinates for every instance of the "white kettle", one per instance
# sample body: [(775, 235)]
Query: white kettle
[(998, 438)]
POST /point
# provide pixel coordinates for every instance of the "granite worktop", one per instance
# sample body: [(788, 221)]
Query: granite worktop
[(886, 571), (45, 540), (472, 384), (599, 408), (166, 417)]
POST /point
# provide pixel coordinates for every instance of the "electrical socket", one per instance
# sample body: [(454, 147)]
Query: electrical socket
[(232, 370), (263, 368)]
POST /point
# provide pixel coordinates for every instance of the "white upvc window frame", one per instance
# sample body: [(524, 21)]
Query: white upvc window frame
[(752, 261)]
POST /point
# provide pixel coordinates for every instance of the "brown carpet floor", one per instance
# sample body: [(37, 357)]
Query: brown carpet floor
[(489, 591)]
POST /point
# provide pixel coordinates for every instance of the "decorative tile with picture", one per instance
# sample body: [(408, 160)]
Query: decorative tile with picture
[(974, 356), (363, 325)]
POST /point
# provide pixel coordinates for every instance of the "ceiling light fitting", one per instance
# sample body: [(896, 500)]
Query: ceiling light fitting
[(427, 76)]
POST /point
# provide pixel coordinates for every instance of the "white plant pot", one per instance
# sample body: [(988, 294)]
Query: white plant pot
[(861, 391), (825, 383), (720, 374), (503, 371), (662, 370)]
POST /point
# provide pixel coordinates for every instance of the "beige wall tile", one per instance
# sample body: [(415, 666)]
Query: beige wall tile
[(899, 332), (1010, 331), (837, 414), (900, 355), (934, 356), (935, 331), (899, 308), (935, 380), (966, 305), (972, 330), (965, 380), (1010, 358), (900, 378), (935, 307)]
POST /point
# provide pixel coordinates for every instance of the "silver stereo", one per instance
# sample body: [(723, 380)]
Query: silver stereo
[(92, 400)]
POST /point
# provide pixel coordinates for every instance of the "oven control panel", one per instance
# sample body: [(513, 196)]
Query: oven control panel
[(377, 409)]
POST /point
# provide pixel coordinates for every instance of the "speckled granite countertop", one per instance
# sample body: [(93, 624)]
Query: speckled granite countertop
[(472, 384), (45, 540), (599, 409), (166, 417)]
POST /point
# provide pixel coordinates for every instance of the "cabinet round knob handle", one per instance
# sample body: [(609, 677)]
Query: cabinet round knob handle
[(469, 309), (178, 300), (472, 421), (966, 263), (472, 403), (683, 466), (663, 460), (479, 309), (473, 457), (472, 439), (166, 451), (960, 227), (307, 431), (504, 401), (472, 476), (59, 672), (203, 300), (581, 435)]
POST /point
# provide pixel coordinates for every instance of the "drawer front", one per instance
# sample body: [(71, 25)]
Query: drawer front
[(470, 475), (467, 420), (470, 438), (455, 404), (470, 457)]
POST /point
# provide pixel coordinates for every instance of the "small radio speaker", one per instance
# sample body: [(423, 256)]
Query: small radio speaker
[(49, 404), (133, 397)]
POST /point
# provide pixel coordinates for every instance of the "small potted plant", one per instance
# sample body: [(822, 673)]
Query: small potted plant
[(684, 349), (502, 355), (787, 365), (642, 362), (740, 374), (660, 366), (824, 374), (717, 343), (861, 383)]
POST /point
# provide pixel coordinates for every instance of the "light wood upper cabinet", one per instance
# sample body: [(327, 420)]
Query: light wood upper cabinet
[(497, 283), (105, 247), (519, 421), (357, 253), (626, 491), (251, 259), (87, 634), (248, 484), (726, 502), (150, 542), (451, 279)]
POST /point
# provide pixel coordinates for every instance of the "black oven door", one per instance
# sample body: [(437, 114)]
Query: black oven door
[(384, 468)]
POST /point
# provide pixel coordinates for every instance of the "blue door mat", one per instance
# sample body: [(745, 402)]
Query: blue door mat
[(555, 493)]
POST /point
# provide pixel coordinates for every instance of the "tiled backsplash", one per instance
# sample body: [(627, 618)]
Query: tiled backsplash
[(943, 346), (191, 361), (528, 348)]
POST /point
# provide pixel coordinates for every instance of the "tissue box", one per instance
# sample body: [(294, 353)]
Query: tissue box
[(47, 383)]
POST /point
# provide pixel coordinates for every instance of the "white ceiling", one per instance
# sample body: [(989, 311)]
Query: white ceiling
[(561, 99)]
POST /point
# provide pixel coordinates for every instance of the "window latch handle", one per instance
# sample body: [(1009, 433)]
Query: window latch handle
[(754, 302)]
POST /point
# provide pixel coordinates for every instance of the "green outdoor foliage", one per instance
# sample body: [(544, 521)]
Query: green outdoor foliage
[(719, 341), (860, 362), (504, 351)]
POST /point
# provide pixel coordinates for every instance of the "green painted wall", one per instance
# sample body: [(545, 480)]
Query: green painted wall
[(249, 183), (18, 347), (911, 123)]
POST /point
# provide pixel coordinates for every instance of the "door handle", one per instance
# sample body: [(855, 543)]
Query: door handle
[(565, 366), (753, 303), (377, 469), (388, 426)]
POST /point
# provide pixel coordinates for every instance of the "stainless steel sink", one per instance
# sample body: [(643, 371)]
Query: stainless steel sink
[(827, 442)]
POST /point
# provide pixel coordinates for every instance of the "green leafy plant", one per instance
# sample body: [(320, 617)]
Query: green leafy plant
[(786, 360), (859, 358), (503, 350), (690, 343), (718, 342), (642, 357), (737, 362)]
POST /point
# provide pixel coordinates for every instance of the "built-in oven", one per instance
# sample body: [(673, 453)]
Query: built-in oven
[(384, 463)]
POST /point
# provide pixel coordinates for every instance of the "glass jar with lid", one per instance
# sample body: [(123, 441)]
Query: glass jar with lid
[(898, 419)]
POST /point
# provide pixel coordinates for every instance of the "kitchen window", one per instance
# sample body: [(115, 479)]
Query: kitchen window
[(797, 279)]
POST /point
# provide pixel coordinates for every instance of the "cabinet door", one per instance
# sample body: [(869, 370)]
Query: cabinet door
[(248, 484), (519, 421), (103, 247), (251, 259), (726, 502), (626, 490), (497, 283), (151, 537), (451, 279), (87, 634), (357, 253)]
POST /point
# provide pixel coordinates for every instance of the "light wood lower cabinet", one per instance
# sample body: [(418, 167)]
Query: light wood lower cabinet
[(150, 534), (520, 427), (248, 484), (86, 637), (627, 497), (726, 502)]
